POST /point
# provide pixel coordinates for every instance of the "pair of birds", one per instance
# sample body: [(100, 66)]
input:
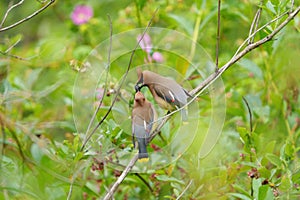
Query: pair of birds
[(167, 93)]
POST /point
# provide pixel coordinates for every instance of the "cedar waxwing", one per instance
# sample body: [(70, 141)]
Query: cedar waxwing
[(143, 116), (167, 93)]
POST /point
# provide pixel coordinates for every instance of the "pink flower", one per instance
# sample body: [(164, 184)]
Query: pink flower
[(146, 46), (99, 93), (158, 57), (145, 43), (81, 14)]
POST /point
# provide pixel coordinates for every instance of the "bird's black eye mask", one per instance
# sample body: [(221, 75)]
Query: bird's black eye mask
[(137, 87)]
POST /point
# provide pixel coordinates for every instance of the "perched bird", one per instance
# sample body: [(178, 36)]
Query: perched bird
[(167, 93), (143, 116)]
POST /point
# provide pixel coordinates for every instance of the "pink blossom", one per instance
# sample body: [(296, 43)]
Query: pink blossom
[(99, 93), (158, 57), (81, 14), (145, 43), (146, 46)]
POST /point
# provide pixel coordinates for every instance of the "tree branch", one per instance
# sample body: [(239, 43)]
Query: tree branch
[(218, 35), (10, 9), (200, 88), (185, 189), (121, 178), (26, 18), (250, 114), (255, 22)]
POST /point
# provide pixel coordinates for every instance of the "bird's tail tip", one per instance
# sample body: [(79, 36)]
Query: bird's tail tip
[(143, 157), (143, 160)]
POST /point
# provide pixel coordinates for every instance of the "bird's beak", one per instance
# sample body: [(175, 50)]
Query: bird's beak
[(137, 88)]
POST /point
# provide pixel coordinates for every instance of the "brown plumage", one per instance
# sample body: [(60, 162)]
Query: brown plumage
[(167, 93), (143, 116)]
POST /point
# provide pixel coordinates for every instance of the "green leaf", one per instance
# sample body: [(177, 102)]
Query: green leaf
[(240, 196), (252, 67), (169, 179), (275, 160), (241, 190), (270, 7), (256, 184), (243, 133), (269, 148), (36, 152), (183, 22), (141, 4), (265, 193), (81, 52)]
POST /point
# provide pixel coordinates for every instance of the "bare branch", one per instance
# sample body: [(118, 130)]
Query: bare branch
[(250, 114), (218, 36), (26, 18), (121, 178), (255, 22), (185, 189), (8, 10), (209, 80), (144, 181), (261, 28), (105, 86), (13, 56)]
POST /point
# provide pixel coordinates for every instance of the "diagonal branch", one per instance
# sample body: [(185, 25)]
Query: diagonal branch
[(10, 9), (201, 87), (218, 35), (26, 18)]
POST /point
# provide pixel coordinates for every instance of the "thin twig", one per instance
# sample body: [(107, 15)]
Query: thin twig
[(185, 189), (3, 141), (8, 10), (264, 26), (254, 23), (200, 88), (28, 17), (250, 114), (144, 181), (106, 81), (13, 56), (121, 178), (98, 107), (218, 36), (210, 79)]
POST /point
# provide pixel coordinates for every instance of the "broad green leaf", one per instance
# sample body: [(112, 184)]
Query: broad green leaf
[(269, 148), (183, 22), (252, 67), (241, 190), (36, 152), (265, 193), (81, 52), (168, 179), (256, 184), (240, 196), (270, 7), (275, 160)]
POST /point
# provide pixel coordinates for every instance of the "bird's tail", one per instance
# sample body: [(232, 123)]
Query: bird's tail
[(143, 154), (184, 114)]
